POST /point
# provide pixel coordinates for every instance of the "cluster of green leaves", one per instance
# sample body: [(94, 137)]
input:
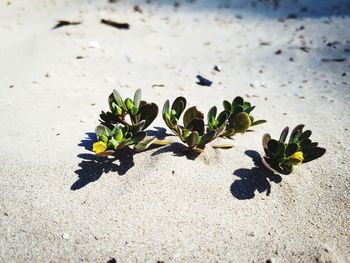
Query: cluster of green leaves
[(192, 132), (124, 124), (141, 113), (121, 137), (116, 132), (236, 115), (282, 156)]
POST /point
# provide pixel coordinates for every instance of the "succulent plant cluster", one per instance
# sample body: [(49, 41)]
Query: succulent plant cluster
[(193, 131), (235, 118), (236, 115), (141, 113), (115, 131), (282, 156), (125, 123)]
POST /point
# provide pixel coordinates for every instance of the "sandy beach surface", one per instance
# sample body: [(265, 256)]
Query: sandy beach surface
[(59, 203)]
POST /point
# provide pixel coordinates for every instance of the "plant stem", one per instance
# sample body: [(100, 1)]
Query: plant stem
[(123, 121)]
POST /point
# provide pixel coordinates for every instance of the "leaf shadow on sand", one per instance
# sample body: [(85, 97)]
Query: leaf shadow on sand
[(179, 150), (92, 167), (258, 178)]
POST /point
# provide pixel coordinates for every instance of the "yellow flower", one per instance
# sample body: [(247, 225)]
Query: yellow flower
[(297, 158), (99, 147)]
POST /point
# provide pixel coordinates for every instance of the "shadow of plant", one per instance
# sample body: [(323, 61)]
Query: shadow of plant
[(92, 167), (159, 132), (257, 178), (179, 150)]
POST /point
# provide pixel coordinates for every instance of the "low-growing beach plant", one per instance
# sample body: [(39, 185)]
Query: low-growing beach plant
[(140, 113), (282, 156), (192, 131), (237, 114), (116, 131)]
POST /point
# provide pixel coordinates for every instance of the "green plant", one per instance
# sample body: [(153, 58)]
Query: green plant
[(140, 113), (192, 132), (237, 115), (282, 156), (115, 132)]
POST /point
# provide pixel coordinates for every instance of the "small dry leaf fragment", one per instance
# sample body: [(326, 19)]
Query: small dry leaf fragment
[(217, 68), (61, 23), (305, 49), (333, 60), (157, 85), (137, 9), (223, 146), (278, 52), (203, 81), (265, 43), (115, 24)]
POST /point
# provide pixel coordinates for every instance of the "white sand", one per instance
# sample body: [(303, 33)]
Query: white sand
[(157, 206)]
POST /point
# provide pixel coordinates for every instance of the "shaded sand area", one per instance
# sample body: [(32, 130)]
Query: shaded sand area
[(59, 203)]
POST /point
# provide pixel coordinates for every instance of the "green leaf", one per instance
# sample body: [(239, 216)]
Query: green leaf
[(102, 130), (222, 118), (148, 112), (305, 135), (166, 108), (191, 114), (112, 144), (212, 114), (119, 100), (119, 136), (208, 137), (291, 149), (305, 143), (295, 131), (103, 138), (179, 105), (258, 122), (193, 139), (275, 148), (227, 105), (138, 127), (237, 109), (249, 110), (196, 125), (246, 105), (238, 101), (134, 111), (286, 168), (284, 135), (313, 153), (265, 141), (162, 142), (311, 145), (129, 104), (110, 101), (144, 144), (137, 98), (136, 138)]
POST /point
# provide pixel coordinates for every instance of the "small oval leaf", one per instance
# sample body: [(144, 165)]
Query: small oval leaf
[(179, 105), (191, 114), (137, 98)]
